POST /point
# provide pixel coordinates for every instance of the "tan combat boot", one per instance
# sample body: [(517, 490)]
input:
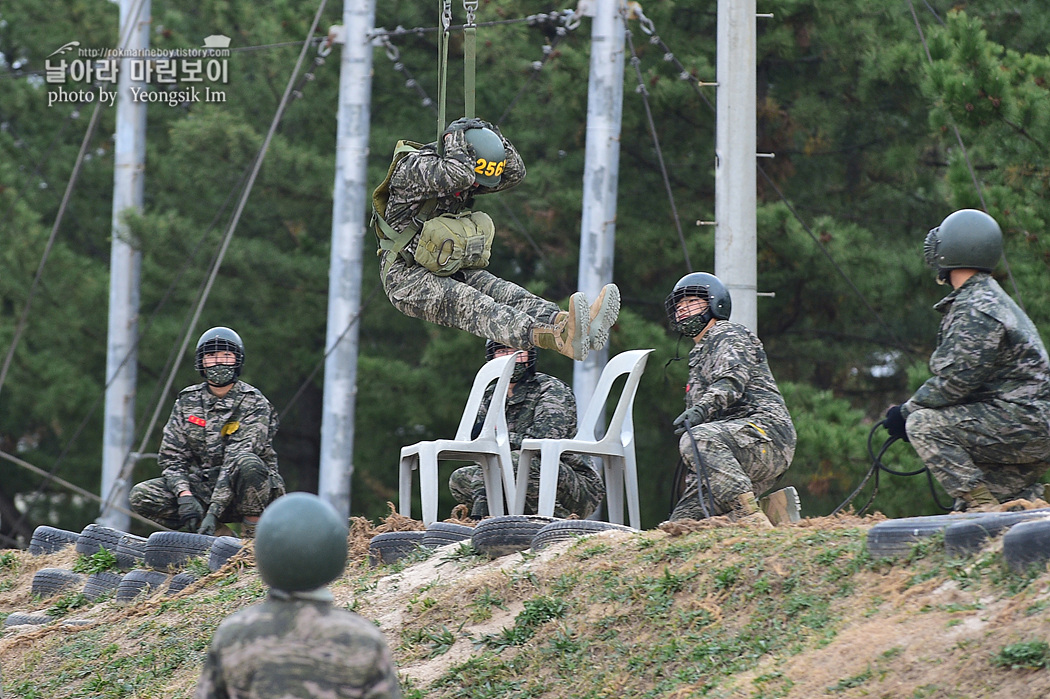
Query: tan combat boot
[(746, 511), (568, 334), (980, 499), (603, 313), (782, 506)]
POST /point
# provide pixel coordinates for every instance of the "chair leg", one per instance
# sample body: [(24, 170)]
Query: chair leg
[(521, 483), (630, 473), (614, 488), (490, 472), (428, 484), (550, 460), (404, 491)]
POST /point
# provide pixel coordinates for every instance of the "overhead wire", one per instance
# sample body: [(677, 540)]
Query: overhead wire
[(648, 28), (70, 185), (290, 88)]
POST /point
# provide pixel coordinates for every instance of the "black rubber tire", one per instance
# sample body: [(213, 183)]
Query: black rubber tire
[(180, 582), (444, 533), (131, 551), (507, 534), (566, 529), (98, 585), (171, 550), (51, 539), (897, 537), (95, 536), (140, 581), (222, 550), (965, 538), (393, 546), (20, 618), (1027, 544), (48, 582)]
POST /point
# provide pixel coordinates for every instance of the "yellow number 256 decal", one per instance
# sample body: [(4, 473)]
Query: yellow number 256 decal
[(489, 168)]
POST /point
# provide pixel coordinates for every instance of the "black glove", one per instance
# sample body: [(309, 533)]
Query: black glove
[(208, 525), (894, 423), (190, 511), (464, 123), (693, 416)]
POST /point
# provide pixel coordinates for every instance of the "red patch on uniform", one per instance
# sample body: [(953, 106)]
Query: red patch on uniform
[(197, 420)]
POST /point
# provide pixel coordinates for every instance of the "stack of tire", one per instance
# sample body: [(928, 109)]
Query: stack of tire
[(1025, 535), (144, 565), (492, 537)]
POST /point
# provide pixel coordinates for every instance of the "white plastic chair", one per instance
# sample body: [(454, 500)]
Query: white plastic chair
[(616, 448), (490, 448)]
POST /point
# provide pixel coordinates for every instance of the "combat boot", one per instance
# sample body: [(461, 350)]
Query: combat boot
[(980, 499), (745, 510), (782, 506), (603, 313), (568, 334)]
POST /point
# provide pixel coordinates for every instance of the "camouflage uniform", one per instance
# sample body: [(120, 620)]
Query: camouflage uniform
[(471, 299), (221, 450), (541, 407), (747, 439), (295, 646), (984, 415)]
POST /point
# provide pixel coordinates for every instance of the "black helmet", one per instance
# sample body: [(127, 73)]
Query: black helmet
[(300, 543), (219, 339), (701, 285), (522, 370), (490, 156), (966, 239)]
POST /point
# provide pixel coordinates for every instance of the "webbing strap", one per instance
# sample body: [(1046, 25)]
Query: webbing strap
[(469, 56), (446, 21), (395, 242)]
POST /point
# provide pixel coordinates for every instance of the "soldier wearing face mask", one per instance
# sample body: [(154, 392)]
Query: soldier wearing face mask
[(539, 406), (217, 458)]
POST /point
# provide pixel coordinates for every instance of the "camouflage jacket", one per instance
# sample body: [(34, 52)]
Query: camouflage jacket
[(987, 349), (297, 648), (541, 407), (206, 433), (449, 178), (729, 379)]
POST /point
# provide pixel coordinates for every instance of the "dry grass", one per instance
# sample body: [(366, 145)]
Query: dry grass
[(798, 612)]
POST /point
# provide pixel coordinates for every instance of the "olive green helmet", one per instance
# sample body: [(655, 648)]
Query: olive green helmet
[(300, 543), (490, 157), (966, 239)]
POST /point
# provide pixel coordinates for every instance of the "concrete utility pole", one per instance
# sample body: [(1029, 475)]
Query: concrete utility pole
[(735, 166), (124, 271), (349, 208), (601, 172)]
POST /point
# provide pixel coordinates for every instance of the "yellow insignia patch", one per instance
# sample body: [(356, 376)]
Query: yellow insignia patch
[(229, 428)]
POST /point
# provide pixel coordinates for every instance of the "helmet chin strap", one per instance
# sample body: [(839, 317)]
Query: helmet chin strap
[(944, 276)]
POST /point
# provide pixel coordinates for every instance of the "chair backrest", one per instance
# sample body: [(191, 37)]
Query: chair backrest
[(631, 362), (499, 370)]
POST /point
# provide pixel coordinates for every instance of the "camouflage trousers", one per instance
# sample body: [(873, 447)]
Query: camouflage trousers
[(472, 299), (737, 458), (579, 490), (254, 487), (991, 443)]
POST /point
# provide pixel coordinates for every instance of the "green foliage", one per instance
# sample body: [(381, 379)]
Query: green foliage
[(98, 562), (67, 603), (1025, 655)]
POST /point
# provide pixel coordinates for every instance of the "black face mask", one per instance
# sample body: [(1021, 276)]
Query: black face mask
[(220, 375), (694, 325)]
